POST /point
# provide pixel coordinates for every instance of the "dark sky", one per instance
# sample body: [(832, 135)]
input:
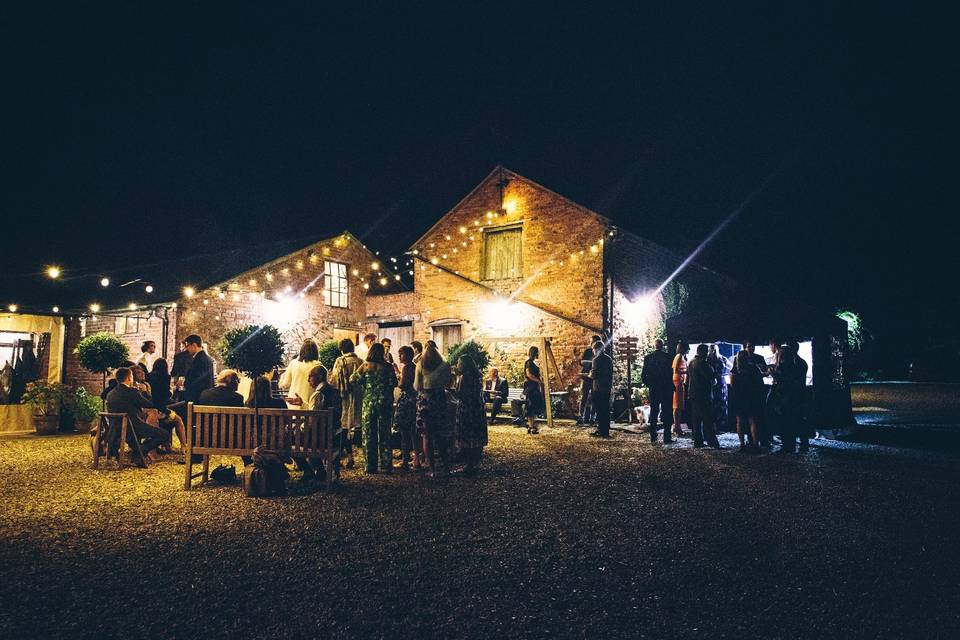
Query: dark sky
[(134, 134)]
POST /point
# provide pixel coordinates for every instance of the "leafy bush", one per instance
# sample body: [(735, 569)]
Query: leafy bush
[(469, 348), (44, 397), (510, 368), (252, 350), (101, 352), (85, 406), (329, 352)]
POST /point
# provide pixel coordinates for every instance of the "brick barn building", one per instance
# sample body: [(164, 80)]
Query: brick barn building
[(511, 263)]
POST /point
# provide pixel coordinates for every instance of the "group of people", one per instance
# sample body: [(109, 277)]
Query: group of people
[(692, 390)]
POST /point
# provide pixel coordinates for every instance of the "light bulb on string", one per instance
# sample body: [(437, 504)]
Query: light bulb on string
[(148, 288), (53, 272), (104, 282)]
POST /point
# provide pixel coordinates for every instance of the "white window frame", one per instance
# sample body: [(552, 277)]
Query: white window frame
[(336, 272)]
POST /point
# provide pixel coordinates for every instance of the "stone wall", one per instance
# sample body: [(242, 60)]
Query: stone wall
[(287, 293), (559, 293)]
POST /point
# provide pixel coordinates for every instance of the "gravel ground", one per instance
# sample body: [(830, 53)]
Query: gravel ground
[(562, 536)]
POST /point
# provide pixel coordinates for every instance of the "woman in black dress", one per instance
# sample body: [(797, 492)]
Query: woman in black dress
[(533, 389), (746, 397), (161, 395)]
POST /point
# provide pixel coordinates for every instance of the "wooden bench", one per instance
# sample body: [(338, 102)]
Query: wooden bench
[(233, 431)]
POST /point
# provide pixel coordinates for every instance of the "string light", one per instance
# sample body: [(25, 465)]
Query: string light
[(56, 309), (12, 308), (104, 282), (374, 266), (95, 307), (53, 272), (148, 288), (132, 306), (383, 281), (188, 292)]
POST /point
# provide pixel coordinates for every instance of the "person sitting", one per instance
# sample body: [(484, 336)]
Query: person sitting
[(224, 393), (261, 395), (112, 382), (325, 397), (159, 380), (140, 380), (124, 398), (495, 391), (294, 379)]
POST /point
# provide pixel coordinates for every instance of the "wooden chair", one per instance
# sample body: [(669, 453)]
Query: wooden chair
[(106, 431)]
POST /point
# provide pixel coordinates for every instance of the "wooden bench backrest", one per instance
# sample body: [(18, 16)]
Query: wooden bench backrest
[(238, 431)]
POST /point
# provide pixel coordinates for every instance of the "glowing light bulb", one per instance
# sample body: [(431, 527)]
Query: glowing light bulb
[(53, 272), (366, 285), (148, 288), (95, 307), (374, 266), (355, 272), (383, 281), (56, 309), (132, 306), (396, 277), (463, 229), (188, 292), (13, 308), (104, 282)]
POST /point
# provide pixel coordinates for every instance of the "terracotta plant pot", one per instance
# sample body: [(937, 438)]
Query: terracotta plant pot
[(84, 427), (46, 425)]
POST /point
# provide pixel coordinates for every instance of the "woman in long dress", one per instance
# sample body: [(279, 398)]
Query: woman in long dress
[(533, 390), (343, 369), (679, 386), (377, 379), (405, 417), (471, 418), (433, 415)]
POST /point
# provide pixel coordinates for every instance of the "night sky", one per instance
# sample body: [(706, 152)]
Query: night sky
[(132, 136)]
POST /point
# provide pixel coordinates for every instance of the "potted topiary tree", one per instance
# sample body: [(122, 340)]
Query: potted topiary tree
[(45, 399), (329, 352), (471, 348), (101, 352), (86, 407), (253, 350)]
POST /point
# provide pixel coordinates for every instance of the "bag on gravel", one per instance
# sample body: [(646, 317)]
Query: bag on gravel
[(224, 474), (267, 476)]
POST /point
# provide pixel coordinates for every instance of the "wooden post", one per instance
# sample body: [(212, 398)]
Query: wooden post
[(544, 345), (187, 449)]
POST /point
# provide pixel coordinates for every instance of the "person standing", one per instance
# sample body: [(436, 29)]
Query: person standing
[(495, 391), (679, 379), (433, 415), (148, 355), (719, 365), (602, 375), (657, 374), (294, 379), (199, 376), (377, 380), (533, 389), (405, 416), (700, 379), (746, 399), (471, 431), (417, 351), (585, 414), (800, 380), (350, 394)]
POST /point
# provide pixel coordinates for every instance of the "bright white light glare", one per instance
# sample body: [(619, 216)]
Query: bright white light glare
[(188, 291), (56, 309), (148, 288), (641, 311), (104, 282), (13, 308), (53, 272)]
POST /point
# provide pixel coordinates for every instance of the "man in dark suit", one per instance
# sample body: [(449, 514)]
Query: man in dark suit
[(125, 399), (199, 376), (224, 394), (602, 375), (700, 382), (658, 376), (495, 391)]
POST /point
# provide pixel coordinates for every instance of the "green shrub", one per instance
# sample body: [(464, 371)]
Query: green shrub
[(101, 352), (470, 348), (45, 398), (85, 406), (252, 350), (329, 352)]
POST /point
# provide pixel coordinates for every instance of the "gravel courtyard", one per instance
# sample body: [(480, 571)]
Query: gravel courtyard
[(561, 536)]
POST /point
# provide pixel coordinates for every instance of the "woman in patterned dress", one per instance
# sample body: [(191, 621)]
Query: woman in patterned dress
[(377, 379), (433, 414), (405, 417), (533, 390), (471, 419)]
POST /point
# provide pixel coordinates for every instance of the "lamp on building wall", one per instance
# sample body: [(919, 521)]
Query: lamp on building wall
[(640, 312)]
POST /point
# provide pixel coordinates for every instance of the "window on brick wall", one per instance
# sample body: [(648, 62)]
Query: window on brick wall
[(334, 284), (124, 325), (502, 256)]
